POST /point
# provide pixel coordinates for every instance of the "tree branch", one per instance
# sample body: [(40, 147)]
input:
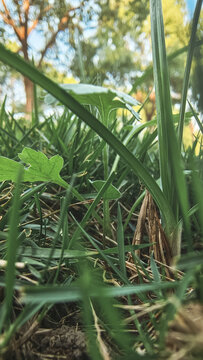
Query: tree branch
[(7, 16), (8, 20), (16, 2), (39, 17), (26, 8), (63, 24)]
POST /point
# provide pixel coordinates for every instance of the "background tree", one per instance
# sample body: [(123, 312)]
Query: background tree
[(112, 52), (119, 49), (97, 41), (49, 18)]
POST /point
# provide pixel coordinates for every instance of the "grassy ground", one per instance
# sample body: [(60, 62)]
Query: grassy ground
[(101, 245)]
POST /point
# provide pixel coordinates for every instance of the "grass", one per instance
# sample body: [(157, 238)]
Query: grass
[(58, 256)]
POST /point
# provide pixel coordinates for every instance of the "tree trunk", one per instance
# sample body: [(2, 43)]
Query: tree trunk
[(29, 91)]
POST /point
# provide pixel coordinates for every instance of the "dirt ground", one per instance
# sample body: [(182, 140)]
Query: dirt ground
[(64, 339)]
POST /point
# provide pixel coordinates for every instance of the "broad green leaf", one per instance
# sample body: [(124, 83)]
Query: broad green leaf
[(111, 193), (9, 169), (104, 99), (41, 168)]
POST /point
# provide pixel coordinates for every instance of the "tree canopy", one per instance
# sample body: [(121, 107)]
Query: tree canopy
[(49, 19), (94, 41)]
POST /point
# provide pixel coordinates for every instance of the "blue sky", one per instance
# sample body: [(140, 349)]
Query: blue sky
[(191, 5)]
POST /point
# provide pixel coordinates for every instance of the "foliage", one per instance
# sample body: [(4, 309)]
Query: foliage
[(119, 25), (40, 168)]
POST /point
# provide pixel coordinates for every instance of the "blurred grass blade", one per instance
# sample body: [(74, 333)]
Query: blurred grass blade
[(58, 294), (66, 99), (197, 183), (190, 261), (196, 117), (2, 112), (190, 53), (156, 274), (174, 305)]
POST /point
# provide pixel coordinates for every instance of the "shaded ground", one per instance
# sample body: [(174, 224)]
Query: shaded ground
[(62, 343), (68, 342), (65, 342)]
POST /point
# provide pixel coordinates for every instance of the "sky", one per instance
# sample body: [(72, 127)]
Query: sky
[(191, 6)]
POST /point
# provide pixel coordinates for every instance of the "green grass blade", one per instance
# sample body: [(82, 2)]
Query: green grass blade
[(33, 74), (120, 241), (136, 203), (196, 117), (132, 134), (172, 177), (163, 98), (102, 253), (2, 112), (198, 191), (64, 209), (174, 305), (58, 294), (27, 313), (190, 53), (91, 208)]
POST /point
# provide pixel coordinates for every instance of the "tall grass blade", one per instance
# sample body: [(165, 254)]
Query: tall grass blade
[(163, 98), (120, 240), (172, 177), (190, 53), (198, 191)]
